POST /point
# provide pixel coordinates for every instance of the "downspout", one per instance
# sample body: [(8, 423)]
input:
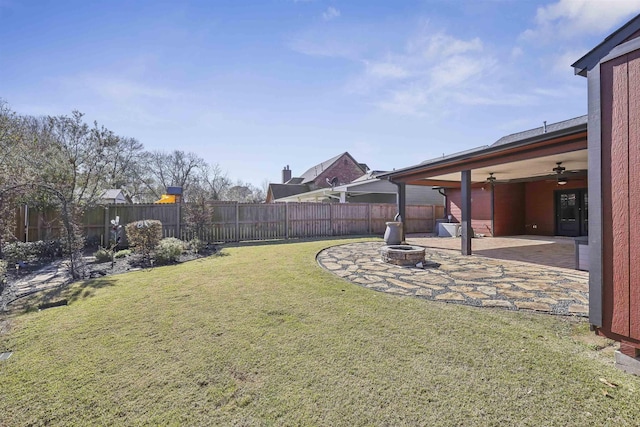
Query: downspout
[(492, 209), (443, 192)]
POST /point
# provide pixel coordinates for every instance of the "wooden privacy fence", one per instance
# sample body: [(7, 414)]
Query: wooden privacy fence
[(233, 222)]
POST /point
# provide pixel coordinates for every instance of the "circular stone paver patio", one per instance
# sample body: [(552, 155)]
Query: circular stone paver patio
[(471, 280)]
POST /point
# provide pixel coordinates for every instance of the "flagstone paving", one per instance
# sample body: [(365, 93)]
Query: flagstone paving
[(51, 276), (471, 280)]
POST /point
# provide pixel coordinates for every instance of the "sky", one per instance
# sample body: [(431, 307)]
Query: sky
[(254, 86)]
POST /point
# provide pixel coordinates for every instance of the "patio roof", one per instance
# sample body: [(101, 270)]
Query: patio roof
[(525, 155)]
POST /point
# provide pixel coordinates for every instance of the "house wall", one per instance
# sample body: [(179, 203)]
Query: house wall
[(509, 209), (422, 195), (480, 208), (345, 169), (620, 154), (539, 202), (518, 207), (372, 198)]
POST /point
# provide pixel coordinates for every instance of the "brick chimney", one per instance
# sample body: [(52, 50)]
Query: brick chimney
[(286, 174)]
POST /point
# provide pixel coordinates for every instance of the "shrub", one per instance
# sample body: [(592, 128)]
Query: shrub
[(92, 242), (196, 245), (123, 253), (3, 274), (31, 251), (168, 250), (144, 235), (103, 255)]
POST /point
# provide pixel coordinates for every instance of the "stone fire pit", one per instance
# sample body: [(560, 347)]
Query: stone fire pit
[(402, 254)]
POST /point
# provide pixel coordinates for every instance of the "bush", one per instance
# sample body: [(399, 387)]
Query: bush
[(103, 255), (31, 251), (196, 245), (144, 235), (3, 274), (123, 253), (168, 250)]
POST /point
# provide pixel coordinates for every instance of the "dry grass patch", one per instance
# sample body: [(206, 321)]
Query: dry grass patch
[(264, 336)]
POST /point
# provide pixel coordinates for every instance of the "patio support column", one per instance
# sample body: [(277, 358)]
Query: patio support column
[(402, 204), (467, 232)]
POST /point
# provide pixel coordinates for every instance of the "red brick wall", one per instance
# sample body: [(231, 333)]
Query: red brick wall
[(345, 169), (539, 205), (517, 207), (480, 208), (509, 209)]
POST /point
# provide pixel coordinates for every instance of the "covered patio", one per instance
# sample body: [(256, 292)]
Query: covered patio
[(529, 183)]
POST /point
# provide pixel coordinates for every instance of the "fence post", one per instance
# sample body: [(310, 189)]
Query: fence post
[(330, 219), (39, 225), (369, 218), (237, 222), (105, 236), (286, 221), (178, 221)]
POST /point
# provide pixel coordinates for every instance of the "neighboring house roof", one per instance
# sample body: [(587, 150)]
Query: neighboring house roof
[(285, 190), (111, 193), (368, 176), (312, 173), (294, 181), (115, 195), (593, 57), (367, 183)]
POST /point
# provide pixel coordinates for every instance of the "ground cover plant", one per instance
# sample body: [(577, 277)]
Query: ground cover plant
[(264, 336)]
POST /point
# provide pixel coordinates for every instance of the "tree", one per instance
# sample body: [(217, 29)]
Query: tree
[(11, 170), (160, 170), (123, 159), (245, 193), (68, 164)]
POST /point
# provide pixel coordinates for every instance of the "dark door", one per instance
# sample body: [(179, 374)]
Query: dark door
[(571, 212)]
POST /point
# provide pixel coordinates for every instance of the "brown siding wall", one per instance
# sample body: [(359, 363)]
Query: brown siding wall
[(509, 209), (480, 208), (620, 98), (539, 205)]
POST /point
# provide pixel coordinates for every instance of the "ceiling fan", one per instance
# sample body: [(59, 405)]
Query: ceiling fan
[(559, 170)]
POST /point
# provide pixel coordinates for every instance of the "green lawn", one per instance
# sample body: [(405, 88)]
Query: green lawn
[(264, 336)]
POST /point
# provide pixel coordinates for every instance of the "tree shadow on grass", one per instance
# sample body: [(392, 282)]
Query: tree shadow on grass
[(64, 295)]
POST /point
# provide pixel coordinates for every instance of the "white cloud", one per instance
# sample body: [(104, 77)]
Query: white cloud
[(330, 13), (409, 102), (443, 45), (433, 72), (516, 52), (574, 18), (386, 70), (457, 71)]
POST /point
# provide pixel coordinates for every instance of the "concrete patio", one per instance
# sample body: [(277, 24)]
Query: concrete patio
[(482, 280)]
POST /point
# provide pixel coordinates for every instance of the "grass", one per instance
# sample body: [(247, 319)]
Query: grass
[(263, 336)]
